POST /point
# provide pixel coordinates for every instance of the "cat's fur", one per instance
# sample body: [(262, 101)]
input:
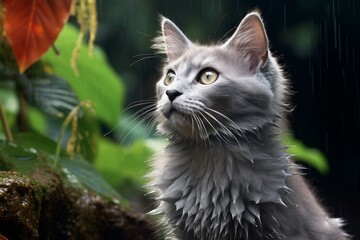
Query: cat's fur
[(225, 173)]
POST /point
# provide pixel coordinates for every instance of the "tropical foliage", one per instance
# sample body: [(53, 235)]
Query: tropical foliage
[(58, 93)]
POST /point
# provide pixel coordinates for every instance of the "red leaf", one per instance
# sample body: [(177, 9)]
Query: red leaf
[(32, 26)]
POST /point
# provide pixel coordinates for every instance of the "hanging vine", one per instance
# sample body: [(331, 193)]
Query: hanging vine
[(86, 15)]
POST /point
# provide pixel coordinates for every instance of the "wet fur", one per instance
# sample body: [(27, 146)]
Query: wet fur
[(225, 173)]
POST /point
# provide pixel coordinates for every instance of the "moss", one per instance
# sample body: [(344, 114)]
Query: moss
[(20, 203), (38, 204)]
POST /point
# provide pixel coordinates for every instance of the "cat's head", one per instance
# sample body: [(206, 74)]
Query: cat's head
[(221, 89)]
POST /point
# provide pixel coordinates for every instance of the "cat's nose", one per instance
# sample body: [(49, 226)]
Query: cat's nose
[(172, 94)]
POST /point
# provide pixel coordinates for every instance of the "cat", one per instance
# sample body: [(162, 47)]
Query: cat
[(225, 173)]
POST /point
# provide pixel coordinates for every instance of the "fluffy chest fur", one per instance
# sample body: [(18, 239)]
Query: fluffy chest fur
[(220, 191)]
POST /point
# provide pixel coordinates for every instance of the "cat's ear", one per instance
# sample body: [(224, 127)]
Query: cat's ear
[(172, 40), (250, 41)]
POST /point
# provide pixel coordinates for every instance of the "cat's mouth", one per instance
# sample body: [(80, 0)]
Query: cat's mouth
[(170, 111), (179, 121)]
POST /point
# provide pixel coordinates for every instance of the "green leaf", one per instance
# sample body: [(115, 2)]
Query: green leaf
[(27, 156), (36, 141), (120, 164), (79, 170), (24, 159), (10, 104), (37, 120), (97, 81), (310, 156), (51, 94)]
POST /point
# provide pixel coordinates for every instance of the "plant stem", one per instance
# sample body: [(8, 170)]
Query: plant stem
[(5, 124), (66, 122), (60, 140), (71, 117)]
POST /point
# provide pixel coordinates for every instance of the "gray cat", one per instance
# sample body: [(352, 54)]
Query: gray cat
[(225, 173)]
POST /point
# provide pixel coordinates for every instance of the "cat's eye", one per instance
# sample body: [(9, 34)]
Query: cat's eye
[(169, 78), (208, 76)]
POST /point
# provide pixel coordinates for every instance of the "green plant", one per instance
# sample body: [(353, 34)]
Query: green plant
[(50, 108), (310, 156)]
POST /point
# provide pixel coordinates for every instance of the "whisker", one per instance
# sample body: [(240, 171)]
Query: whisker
[(227, 132), (192, 126), (234, 126), (217, 27), (144, 54), (145, 34), (227, 34), (198, 110), (135, 104), (149, 110), (206, 134), (150, 124), (215, 130), (144, 58), (151, 116), (201, 126), (138, 104)]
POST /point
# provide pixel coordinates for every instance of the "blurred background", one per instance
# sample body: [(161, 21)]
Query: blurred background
[(316, 42)]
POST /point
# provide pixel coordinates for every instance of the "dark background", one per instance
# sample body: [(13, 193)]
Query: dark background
[(316, 41)]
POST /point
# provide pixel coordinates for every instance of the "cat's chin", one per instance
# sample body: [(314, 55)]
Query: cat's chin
[(177, 124)]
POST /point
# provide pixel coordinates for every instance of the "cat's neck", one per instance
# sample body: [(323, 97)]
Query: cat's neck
[(255, 161), (249, 143), (202, 180), (199, 181)]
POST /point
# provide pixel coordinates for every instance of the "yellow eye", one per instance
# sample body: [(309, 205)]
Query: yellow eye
[(208, 76), (169, 78)]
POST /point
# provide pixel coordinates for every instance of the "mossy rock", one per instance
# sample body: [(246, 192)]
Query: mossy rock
[(41, 203)]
